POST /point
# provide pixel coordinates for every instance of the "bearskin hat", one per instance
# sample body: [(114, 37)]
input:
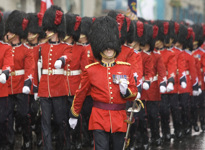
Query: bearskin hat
[(140, 32), (189, 39), (35, 24), (181, 37), (130, 31), (198, 29), (86, 23), (54, 21), (163, 33), (104, 34), (174, 30), (122, 24), (17, 23), (73, 27), (1, 26)]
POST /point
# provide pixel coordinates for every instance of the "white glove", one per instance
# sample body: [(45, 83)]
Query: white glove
[(183, 85), (58, 64), (145, 86), (170, 87), (204, 78), (3, 78), (26, 90), (36, 96), (138, 95), (162, 89), (199, 91), (73, 122), (123, 86), (195, 93)]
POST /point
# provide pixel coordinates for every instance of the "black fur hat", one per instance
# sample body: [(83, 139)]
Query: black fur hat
[(190, 39), (122, 24), (104, 34), (35, 24), (174, 30), (73, 27), (17, 23), (1, 26), (182, 35), (140, 32), (130, 30), (198, 29), (86, 23), (54, 20)]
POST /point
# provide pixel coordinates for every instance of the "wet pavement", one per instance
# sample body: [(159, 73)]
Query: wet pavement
[(195, 141)]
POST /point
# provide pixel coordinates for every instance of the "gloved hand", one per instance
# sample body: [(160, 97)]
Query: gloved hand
[(58, 64), (123, 86), (204, 78), (26, 90), (183, 85), (73, 122), (36, 96), (195, 93), (138, 95), (3, 78), (145, 85), (199, 91), (162, 89), (170, 87)]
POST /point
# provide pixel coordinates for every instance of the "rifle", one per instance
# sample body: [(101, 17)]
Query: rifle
[(135, 108)]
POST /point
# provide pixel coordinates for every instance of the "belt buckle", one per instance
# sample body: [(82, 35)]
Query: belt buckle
[(13, 73), (50, 72), (68, 73)]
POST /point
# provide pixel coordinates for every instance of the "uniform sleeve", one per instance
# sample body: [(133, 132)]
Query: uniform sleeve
[(84, 61), (28, 67), (147, 66), (171, 68), (7, 62), (193, 70), (181, 68), (203, 64), (35, 78), (161, 70), (80, 95), (67, 55)]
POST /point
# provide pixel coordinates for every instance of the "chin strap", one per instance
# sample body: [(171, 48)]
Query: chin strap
[(108, 57), (33, 37)]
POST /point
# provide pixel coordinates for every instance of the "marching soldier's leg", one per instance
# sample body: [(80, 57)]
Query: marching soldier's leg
[(194, 113), (176, 114), (46, 107), (164, 111), (201, 111), (60, 112), (23, 112), (153, 120)]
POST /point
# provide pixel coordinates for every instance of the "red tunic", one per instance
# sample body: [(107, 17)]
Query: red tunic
[(6, 63), (200, 58), (170, 64), (77, 64), (104, 90), (52, 85), (23, 60), (181, 71), (159, 70), (90, 58), (191, 74)]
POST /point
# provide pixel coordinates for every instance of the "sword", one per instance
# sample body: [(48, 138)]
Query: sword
[(40, 64), (135, 108)]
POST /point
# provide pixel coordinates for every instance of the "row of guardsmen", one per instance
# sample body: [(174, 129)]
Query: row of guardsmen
[(61, 75)]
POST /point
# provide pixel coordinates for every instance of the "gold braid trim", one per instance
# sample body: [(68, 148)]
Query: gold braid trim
[(95, 63)]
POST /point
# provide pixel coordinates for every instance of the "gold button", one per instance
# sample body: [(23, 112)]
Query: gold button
[(111, 102), (110, 87), (108, 68), (49, 63), (68, 65), (50, 54), (49, 74), (109, 78), (108, 72), (49, 68), (12, 55), (109, 82), (50, 59), (111, 97), (110, 92), (51, 45), (51, 50)]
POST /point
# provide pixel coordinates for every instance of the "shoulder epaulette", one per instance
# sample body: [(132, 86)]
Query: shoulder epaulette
[(95, 63), (156, 52), (123, 63), (27, 46)]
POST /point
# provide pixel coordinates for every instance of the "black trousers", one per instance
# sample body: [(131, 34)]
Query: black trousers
[(153, 118), (58, 107), (21, 101), (3, 120), (194, 106), (102, 140), (184, 100)]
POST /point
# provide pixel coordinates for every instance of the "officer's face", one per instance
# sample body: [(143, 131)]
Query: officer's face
[(159, 44), (179, 45), (9, 36), (109, 52)]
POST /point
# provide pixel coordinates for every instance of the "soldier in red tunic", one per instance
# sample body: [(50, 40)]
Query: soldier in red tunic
[(35, 33), (111, 83), (199, 55), (52, 87), (20, 79), (6, 63)]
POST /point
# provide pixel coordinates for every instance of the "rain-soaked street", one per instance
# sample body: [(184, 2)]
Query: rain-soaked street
[(195, 141)]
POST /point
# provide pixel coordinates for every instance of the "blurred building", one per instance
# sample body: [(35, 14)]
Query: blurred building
[(189, 10)]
